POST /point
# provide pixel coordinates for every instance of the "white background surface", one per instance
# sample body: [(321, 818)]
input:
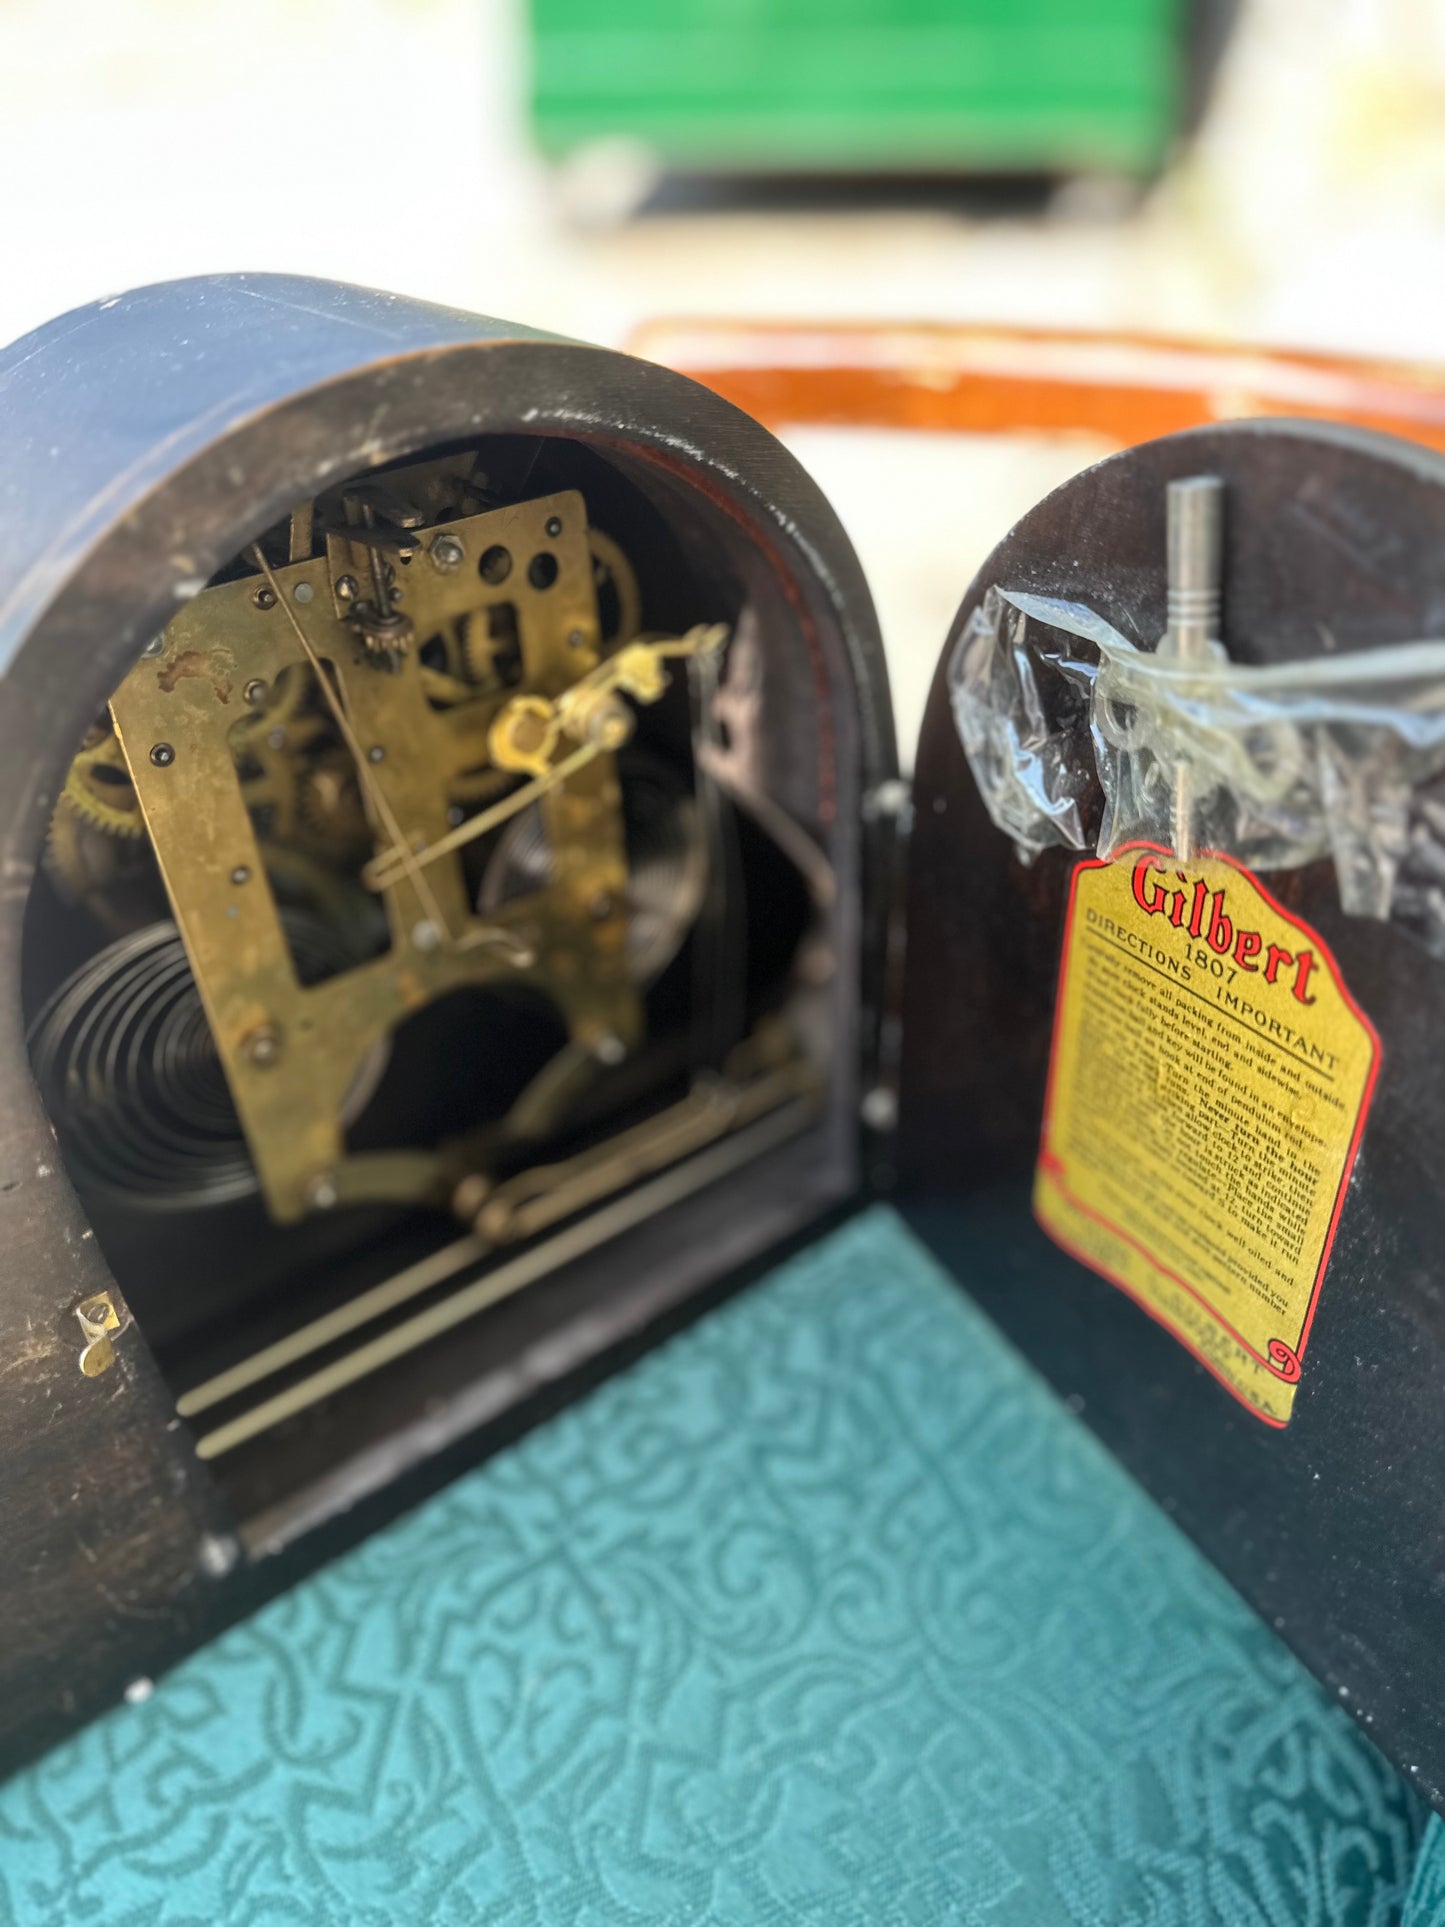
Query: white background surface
[(383, 141)]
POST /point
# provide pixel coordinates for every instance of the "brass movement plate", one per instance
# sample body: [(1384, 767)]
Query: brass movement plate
[(291, 1053)]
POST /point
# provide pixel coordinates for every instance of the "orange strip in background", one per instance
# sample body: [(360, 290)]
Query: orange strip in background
[(999, 381)]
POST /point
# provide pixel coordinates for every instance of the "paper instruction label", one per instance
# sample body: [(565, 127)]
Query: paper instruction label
[(1208, 1088)]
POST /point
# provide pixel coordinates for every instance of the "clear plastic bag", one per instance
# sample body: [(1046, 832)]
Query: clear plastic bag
[(1076, 738)]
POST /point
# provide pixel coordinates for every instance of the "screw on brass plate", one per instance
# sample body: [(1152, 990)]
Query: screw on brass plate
[(98, 1319), (255, 692), (447, 553), (554, 526), (262, 1047), (321, 1193), (346, 588), (265, 598), (162, 755)]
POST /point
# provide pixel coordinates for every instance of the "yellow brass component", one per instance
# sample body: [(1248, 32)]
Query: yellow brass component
[(524, 736), (504, 1280), (300, 532), (267, 738), (384, 871), (780, 1087), (597, 719), (435, 921), (611, 564), (442, 687), (588, 711), (98, 1319), (272, 707), (473, 652), (98, 786), (637, 671), (175, 715), (331, 801), (544, 1195), (94, 869)]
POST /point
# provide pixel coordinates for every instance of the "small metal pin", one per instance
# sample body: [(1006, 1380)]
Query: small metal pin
[(218, 1555), (1194, 509), (888, 800), (321, 1192), (99, 1318)]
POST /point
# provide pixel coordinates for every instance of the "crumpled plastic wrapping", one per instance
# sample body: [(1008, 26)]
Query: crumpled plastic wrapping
[(1075, 737)]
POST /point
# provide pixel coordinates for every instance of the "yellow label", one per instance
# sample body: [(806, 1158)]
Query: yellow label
[(1209, 1084)]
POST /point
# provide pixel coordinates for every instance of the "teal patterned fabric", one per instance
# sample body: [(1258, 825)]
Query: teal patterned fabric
[(1426, 1904), (825, 1613)]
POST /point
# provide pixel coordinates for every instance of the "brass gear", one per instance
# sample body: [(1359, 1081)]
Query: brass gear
[(610, 566), (270, 745), (331, 804), (98, 786), (270, 783), (107, 875), (453, 668), (611, 570), (444, 690), (480, 650)]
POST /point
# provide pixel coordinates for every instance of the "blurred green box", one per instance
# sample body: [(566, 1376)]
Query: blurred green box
[(863, 86)]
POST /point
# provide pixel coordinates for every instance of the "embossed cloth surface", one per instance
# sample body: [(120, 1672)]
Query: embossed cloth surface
[(826, 1612), (1425, 1905)]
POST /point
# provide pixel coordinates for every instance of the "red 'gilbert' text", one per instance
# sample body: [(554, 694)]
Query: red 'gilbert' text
[(1194, 907)]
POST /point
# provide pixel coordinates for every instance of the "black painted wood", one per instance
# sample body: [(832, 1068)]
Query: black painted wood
[(143, 442)]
